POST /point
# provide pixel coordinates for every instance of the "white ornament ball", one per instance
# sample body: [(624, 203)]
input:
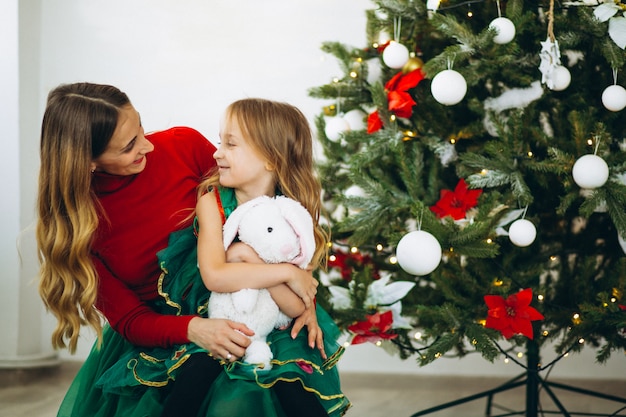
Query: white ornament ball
[(614, 97), (418, 253), (355, 119), (522, 232), (505, 30), (561, 78), (448, 87), (335, 127), (590, 171), (395, 55), (374, 70), (622, 242)]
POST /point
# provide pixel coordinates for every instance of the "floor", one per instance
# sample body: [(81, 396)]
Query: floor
[(37, 393)]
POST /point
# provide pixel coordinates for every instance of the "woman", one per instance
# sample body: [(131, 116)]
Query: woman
[(109, 197)]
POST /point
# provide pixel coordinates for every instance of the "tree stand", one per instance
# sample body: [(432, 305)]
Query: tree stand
[(533, 383)]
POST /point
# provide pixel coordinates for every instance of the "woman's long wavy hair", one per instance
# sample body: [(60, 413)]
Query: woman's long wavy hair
[(282, 135), (77, 126)]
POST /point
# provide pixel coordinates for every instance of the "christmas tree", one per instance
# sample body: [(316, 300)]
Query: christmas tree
[(474, 178)]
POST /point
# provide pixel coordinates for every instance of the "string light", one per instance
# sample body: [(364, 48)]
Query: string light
[(540, 298), (484, 171), (530, 154), (418, 335), (354, 74), (379, 247), (332, 258), (393, 260), (354, 249)]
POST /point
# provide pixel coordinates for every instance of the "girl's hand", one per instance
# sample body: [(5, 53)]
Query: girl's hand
[(316, 337), (224, 339), (304, 285)]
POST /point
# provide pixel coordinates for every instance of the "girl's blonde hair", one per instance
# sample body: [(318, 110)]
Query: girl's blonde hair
[(77, 126), (282, 135)]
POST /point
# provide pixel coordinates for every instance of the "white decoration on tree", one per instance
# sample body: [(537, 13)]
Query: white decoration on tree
[(614, 97), (553, 78), (622, 242), (505, 30), (522, 232), (355, 119), (448, 87), (335, 127), (418, 253), (590, 171), (561, 78), (617, 24), (395, 55)]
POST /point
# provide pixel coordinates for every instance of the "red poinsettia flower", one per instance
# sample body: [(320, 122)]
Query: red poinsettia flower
[(400, 102), (348, 262), (376, 327), (513, 315), (456, 203), (374, 123), (404, 82)]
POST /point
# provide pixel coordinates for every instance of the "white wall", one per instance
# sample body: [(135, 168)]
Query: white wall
[(183, 61)]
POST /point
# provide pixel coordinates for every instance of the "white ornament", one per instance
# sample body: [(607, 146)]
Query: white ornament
[(622, 242), (335, 127), (590, 171), (418, 253), (505, 30), (550, 60), (355, 119), (395, 55), (448, 87), (522, 232), (561, 78), (614, 97)]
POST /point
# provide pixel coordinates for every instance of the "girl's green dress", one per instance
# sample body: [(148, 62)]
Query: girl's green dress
[(124, 380)]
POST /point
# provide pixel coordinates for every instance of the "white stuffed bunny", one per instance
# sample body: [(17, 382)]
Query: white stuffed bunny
[(280, 230)]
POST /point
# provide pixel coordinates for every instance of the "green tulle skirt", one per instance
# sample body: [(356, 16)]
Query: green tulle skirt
[(123, 380)]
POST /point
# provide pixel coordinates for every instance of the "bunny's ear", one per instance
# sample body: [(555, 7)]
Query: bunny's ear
[(231, 226), (302, 223)]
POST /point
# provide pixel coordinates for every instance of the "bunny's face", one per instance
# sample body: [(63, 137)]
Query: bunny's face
[(266, 230)]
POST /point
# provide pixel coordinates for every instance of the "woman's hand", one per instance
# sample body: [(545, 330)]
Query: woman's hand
[(224, 339), (316, 337)]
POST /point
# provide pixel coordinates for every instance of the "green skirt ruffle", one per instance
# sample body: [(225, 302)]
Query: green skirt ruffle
[(145, 374)]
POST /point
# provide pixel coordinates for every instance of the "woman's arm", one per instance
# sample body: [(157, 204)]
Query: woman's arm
[(221, 276)]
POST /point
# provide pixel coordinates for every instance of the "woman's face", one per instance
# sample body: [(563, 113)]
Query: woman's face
[(126, 152)]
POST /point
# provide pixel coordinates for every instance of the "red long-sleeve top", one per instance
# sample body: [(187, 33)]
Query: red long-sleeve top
[(141, 212)]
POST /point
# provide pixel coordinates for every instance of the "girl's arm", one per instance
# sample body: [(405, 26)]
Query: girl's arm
[(288, 302), (221, 276)]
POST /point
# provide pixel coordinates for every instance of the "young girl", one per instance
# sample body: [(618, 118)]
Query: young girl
[(266, 149)]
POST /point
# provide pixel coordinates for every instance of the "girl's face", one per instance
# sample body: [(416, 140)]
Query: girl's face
[(126, 152), (240, 165)]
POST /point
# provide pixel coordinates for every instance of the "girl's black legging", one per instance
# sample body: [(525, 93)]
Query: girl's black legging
[(200, 370)]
